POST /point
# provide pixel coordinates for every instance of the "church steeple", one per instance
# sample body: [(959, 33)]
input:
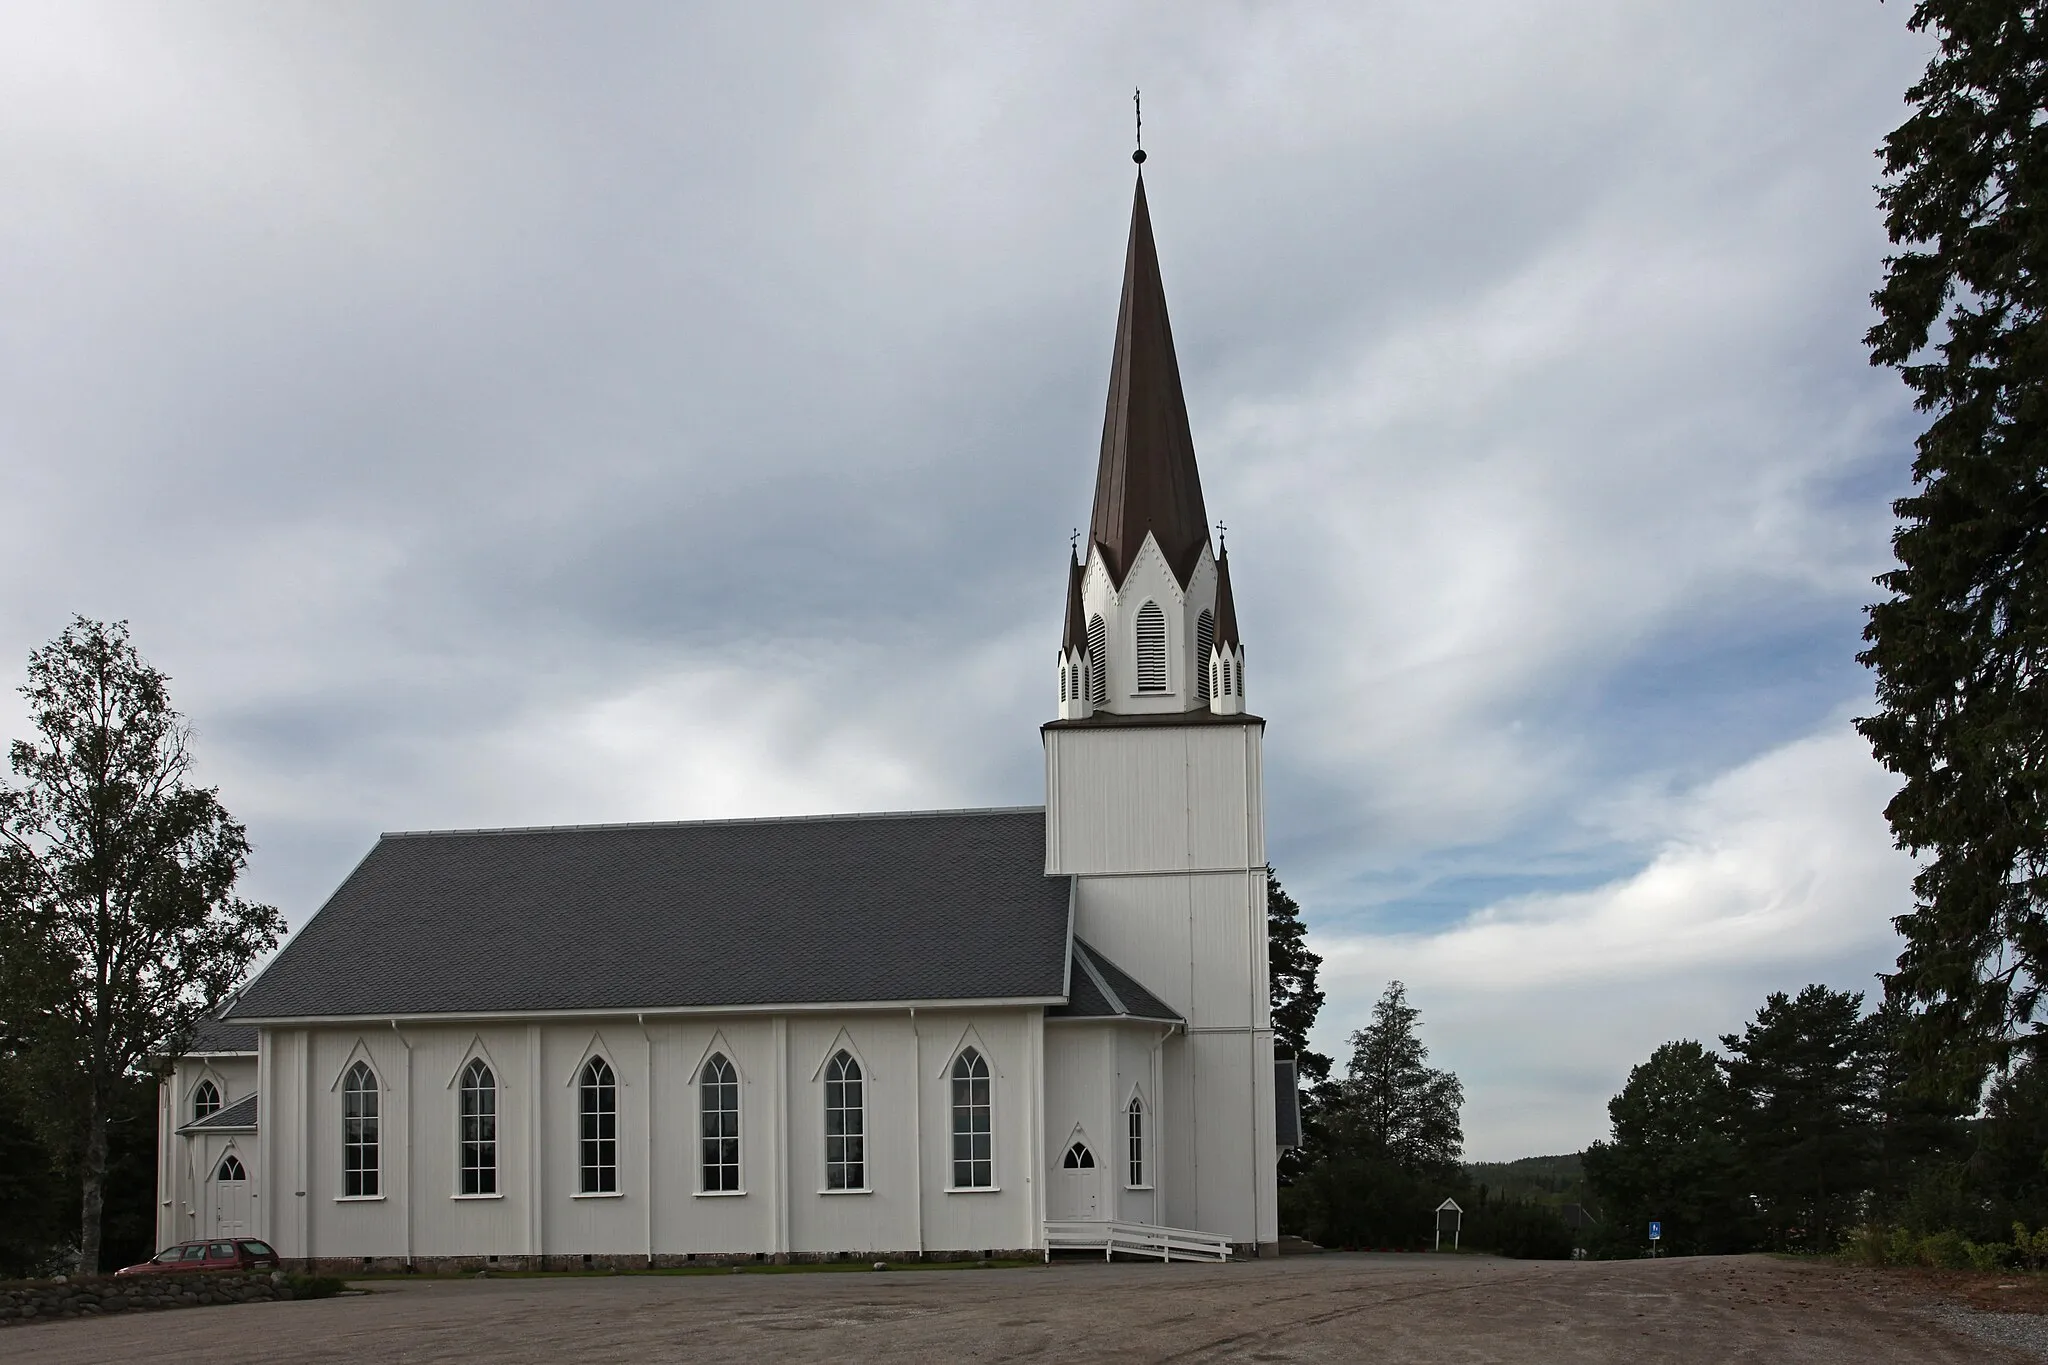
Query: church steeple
[(1146, 480), (1149, 629)]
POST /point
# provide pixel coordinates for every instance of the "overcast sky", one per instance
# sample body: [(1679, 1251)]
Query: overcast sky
[(501, 414)]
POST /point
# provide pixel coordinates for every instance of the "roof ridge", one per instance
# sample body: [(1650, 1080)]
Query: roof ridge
[(1087, 959), (722, 820)]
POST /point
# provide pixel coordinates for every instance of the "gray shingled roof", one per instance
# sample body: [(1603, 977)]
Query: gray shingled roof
[(1103, 990), (945, 905), (240, 1114), (217, 1035)]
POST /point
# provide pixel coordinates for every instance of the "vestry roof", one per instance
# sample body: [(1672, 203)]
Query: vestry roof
[(1103, 990), (944, 905), (217, 1035), (1147, 479), (240, 1115)]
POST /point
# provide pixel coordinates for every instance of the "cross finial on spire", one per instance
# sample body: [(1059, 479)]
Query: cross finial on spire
[(1220, 529), (1138, 109), (1074, 542)]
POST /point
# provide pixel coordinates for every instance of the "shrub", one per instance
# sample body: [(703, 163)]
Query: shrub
[(1945, 1250), (314, 1286)]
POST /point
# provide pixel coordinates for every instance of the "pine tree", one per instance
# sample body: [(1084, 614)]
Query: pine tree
[(1296, 1001), (1960, 648), (1392, 1105), (1801, 1081), (1671, 1158)]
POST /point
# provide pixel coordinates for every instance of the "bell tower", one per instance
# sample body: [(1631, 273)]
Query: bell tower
[(1154, 783)]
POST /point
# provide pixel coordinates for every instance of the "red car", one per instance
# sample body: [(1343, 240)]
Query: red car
[(228, 1253)]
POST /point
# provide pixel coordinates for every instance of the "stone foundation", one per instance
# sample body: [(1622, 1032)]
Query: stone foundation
[(38, 1301), (347, 1266)]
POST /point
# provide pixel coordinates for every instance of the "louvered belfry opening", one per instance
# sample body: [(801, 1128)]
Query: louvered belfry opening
[(1205, 645), (1098, 661), (1151, 648)]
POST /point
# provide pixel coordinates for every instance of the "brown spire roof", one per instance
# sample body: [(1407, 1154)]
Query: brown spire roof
[(1077, 618), (1147, 479), (1226, 607)]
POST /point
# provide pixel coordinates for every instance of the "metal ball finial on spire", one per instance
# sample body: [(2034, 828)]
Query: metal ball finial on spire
[(1138, 109)]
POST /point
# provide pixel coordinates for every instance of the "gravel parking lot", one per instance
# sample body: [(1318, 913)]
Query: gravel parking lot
[(1312, 1308)]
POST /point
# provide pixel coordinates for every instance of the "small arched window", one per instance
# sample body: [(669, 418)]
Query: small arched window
[(230, 1168), (1134, 1131), (846, 1164), (479, 1129), (718, 1107), (598, 1135), (1078, 1158), (1098, 661), (359, 1136), (974, 1166), (1151, 648), (1205, 644), (205, 1100)]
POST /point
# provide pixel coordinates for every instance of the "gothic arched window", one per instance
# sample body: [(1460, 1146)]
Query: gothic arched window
[(974, 1166), (598, 1135), (1134, 1130), (359, 1139), (718, 1107), (1205, 644), (1151, 648), (205, 1100), (1098, 661), (846, 1165), (230, 1168), (479, 1129)]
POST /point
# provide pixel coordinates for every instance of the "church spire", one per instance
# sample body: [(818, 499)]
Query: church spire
[(1147, 479)]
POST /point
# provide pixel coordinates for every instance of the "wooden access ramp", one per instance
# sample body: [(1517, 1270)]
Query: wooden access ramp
[(1135, 1239)]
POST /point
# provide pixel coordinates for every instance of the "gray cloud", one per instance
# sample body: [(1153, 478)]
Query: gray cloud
[(520, 415)]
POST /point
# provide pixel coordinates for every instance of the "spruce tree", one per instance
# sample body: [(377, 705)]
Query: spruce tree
[(1960, 648)]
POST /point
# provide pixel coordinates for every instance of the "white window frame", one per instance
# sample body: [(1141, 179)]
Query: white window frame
[(225, 1157), (368, 1177), (863, 1078), (953, 1113), (586, 1080), (485, 1168), (205, 1083), (704, 1164)]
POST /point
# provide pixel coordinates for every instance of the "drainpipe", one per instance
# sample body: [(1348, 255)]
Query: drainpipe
[(917, 1127), (406, 1152)]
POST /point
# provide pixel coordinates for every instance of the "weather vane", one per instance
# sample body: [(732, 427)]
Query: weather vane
[(1138, 109)]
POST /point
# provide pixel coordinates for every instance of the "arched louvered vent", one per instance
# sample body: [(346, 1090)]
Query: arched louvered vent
[(1063, 679), (1228, 689), (1151, 648), (1098, 661), (1205, 643)]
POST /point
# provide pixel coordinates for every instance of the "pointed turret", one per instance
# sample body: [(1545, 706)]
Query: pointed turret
[(1226, 654), (1147, 479), (1077, 668)]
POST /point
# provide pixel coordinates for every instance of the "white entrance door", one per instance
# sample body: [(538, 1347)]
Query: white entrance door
[(1076, 1185), (230, 1198)]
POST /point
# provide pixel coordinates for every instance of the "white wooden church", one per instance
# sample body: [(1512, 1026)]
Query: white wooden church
[(963, 1032)]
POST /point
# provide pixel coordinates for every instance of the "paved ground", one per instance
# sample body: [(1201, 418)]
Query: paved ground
[(1326, 1308)]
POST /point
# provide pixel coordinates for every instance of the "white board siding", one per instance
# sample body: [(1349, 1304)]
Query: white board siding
[(1170, 799)]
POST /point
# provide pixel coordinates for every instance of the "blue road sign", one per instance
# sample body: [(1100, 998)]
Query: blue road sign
[(1656, 1232)]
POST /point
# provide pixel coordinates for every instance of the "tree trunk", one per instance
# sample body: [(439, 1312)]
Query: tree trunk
[(94, 1180)]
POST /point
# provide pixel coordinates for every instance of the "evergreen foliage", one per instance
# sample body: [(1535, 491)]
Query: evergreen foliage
[(1296, 1001), (1959, 647), (1673, 1156), (119, 926)]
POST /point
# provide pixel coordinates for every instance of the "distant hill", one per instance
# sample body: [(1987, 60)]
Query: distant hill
[(1553, 1180)]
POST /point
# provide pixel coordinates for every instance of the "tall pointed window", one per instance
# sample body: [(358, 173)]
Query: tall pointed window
[(846, 1164), (1205, 644), (598, 1138), (718, 1107), (1098, 661), (479, 1122), (974, 1166), (230, 1168), (1134, 1132), (359, 1138), (1151, 648), (205, 1100)]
